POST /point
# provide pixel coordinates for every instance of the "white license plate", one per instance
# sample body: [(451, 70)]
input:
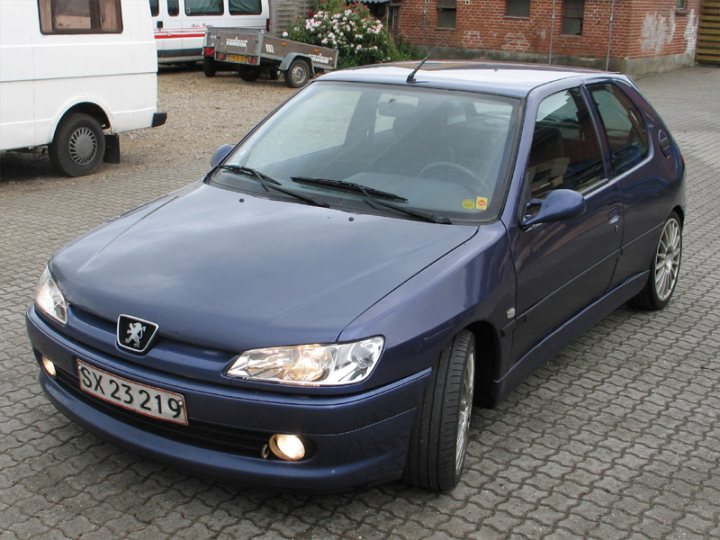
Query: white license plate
[(131, 395)]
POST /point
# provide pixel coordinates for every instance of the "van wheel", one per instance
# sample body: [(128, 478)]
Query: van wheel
[(78, 146), (438, 442), (250, 74), (209, 67), (298, 73)]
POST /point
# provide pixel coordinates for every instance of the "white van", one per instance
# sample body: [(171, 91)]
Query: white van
[(180, 24), (74, 74)]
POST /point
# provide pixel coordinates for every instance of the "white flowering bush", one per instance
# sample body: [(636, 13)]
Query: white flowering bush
[(359, 38)]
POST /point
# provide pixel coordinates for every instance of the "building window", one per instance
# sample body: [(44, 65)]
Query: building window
[(447, 12), (572, 17), (517, 8), (80, 17), (681, 4)]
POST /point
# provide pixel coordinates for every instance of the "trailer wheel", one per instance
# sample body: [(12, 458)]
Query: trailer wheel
[(209, 67), (78, 146), (298, 73), (250, 74)]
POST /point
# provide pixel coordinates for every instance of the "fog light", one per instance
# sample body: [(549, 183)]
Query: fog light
[(49, 366), (287, 447)]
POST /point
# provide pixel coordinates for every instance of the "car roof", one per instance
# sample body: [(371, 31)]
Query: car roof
[(515, 80)]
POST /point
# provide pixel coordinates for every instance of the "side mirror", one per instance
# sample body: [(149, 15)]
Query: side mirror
[(559, 204), (220, 154)]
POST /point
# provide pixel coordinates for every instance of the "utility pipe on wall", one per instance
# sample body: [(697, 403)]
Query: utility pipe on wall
[(552, 33), (610, 35)]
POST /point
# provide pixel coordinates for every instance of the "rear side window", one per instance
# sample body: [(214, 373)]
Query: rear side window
[(565, 150), (154, 8), (624, 126), (244, 7), (203, 7), (80, 16)]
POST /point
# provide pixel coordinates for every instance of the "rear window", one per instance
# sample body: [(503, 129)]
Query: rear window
[(80, 16)]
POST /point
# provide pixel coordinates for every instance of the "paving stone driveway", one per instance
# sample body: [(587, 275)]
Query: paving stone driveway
[(618, 436)]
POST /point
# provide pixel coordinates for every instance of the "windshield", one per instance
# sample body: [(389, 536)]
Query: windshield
[(436, 152)]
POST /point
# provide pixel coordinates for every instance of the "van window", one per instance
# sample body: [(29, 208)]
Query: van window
[(203, 7), (244, 7), (80, 16), (173, 8), (154, 8)]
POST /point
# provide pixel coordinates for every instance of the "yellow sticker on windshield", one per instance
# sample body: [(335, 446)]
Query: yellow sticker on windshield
[(481, 203), (468, 204)]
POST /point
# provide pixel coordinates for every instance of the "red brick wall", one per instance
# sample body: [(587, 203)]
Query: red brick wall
[(641, 28)]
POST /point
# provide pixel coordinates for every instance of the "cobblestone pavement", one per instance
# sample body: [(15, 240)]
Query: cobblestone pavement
[(618, 436)]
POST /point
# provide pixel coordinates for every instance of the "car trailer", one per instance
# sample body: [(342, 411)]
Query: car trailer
[(250, 52)]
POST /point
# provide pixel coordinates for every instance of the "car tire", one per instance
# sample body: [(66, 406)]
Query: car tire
[(209, 67), (250, 74), (664, 268), (78, 147), (298, 73), (438, 442)]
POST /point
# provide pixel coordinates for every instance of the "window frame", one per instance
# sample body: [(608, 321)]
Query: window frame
[(525, 4), (567, 19), (447, 6)]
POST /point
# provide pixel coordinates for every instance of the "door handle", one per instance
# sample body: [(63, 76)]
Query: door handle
[(614, 217)]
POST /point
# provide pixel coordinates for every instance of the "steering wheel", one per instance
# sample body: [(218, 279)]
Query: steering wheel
[(467, 177)]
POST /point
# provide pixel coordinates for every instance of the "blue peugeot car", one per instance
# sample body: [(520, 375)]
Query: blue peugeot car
[(388, 248)]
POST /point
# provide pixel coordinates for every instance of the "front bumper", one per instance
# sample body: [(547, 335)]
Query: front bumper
[(355, 440)]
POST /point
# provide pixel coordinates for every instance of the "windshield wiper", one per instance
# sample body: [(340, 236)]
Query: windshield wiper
[(373, 197), (348, 186), (419, 214), (264, 179), (268, 182)]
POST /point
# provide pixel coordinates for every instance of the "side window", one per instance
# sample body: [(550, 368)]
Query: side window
[(80, 16), (154, 8), (565, 152), (244, 7), (173, 8), (203, 7), (624, 126)]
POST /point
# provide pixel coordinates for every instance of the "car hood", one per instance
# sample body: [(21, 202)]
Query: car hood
[(229, 270)]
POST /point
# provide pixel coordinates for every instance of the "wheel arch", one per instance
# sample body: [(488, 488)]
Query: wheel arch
[(487, 359), (681, 214), (86, 107)]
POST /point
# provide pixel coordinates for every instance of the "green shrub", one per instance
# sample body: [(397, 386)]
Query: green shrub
[(359, 37)]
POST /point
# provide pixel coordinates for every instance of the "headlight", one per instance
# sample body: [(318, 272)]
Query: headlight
[(49, 299), (310, 365)]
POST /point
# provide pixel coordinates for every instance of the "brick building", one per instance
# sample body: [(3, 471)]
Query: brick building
[(633, 36)]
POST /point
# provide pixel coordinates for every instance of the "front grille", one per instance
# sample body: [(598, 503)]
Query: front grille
[(202, 434)]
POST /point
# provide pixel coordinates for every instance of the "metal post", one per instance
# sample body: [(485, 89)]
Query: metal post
[(610, 35)]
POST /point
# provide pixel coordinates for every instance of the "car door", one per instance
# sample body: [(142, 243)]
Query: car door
[(563, 266), (642, 177)]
